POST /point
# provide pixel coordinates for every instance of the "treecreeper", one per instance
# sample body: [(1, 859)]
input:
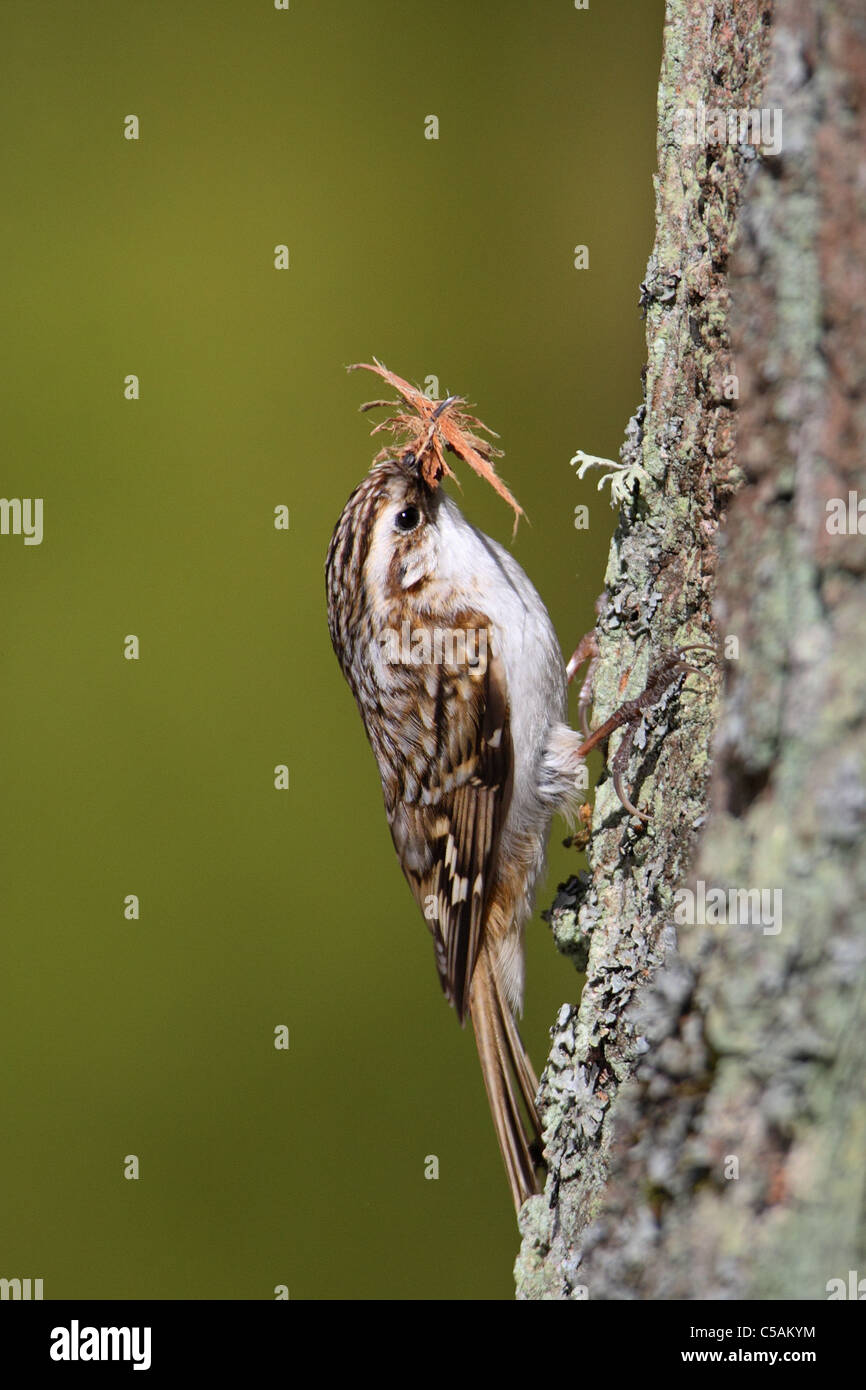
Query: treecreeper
[(458, 675)]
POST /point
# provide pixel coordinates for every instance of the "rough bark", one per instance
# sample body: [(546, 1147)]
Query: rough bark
[(745, 1044)]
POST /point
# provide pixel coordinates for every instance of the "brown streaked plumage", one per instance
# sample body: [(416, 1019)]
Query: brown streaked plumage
[(456, 670), (442, 731)]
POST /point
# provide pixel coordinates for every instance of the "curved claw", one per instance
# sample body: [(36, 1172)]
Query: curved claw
[(694, 647), (629, 714), (632, 810)]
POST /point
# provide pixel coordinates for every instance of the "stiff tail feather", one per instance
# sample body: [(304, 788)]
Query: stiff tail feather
[(508, 1077)]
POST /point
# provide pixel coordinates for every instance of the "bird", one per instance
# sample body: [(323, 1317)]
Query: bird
[(459, 679)]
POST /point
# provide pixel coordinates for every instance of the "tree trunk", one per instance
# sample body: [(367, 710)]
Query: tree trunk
[(705, 1118)]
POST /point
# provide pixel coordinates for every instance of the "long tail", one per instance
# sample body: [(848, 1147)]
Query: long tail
[(508, 1076)]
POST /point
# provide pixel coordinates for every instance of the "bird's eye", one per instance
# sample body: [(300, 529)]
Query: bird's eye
[(408, 519)]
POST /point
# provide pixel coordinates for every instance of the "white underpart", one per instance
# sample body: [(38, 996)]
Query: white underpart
[(544, 746)]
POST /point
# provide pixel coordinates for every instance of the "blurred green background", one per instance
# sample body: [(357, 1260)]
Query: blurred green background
[(261, 907)]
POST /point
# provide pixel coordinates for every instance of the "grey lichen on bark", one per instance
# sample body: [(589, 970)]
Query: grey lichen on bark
[(705, 1117), (781, 1013)]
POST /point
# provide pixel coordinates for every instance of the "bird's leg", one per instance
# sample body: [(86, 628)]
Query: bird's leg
[(630, 713)]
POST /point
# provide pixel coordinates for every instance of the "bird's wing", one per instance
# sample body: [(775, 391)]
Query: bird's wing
[(447, 804)]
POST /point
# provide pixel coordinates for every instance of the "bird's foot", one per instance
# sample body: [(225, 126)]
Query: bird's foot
[(631, 712)]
